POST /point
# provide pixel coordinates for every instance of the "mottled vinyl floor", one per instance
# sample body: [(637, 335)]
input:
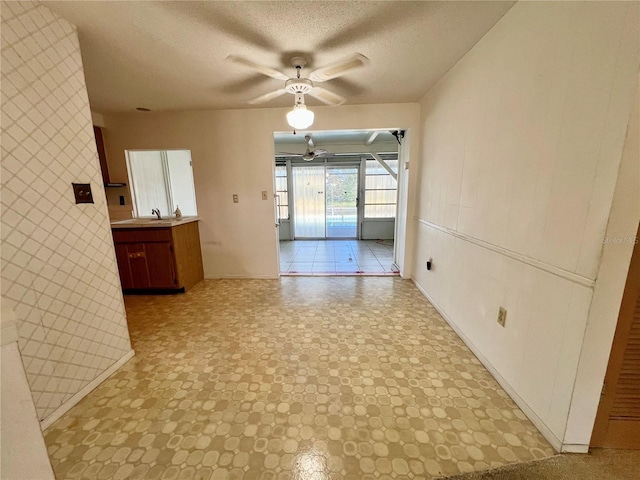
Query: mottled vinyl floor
[(344, 378)]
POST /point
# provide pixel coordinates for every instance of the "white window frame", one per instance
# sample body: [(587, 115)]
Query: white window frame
[(167, 181), (365, 190)]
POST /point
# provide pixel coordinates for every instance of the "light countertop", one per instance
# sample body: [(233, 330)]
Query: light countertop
[(152, 222)]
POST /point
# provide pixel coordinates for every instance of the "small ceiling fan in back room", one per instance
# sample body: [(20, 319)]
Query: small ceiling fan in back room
[(300, 117), (309, 154)]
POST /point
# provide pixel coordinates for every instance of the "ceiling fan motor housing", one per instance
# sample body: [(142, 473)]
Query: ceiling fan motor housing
[(298, 85)]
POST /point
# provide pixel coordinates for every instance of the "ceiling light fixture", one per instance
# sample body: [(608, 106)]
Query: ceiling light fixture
[(300, 118)]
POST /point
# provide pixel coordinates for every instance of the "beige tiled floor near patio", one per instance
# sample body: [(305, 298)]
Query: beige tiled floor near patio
[(298, 378), (337, 257)]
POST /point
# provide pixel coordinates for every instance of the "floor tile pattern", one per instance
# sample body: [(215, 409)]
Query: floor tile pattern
[(337, 257), (319, 378)]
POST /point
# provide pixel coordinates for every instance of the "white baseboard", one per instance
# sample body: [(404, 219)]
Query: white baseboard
[(66, 406), (575, 448), (555, 442), (240, 277)]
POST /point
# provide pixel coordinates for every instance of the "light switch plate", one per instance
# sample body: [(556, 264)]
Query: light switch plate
[(82, 192), (265, 195)]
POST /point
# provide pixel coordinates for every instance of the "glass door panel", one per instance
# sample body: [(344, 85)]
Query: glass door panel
[(342, 202), (309, 206)]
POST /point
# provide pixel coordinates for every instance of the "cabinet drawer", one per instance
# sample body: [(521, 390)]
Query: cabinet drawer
[(142, 235)]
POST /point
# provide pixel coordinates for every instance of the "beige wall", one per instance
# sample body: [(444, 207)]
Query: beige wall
[(59, 272), (521, 143), (232, 153), (607, 296), (23, 454)]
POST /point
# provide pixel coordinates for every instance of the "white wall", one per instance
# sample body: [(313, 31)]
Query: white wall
[(607, 296), (59, 272), (24, 454), (233, 153), (521, 143), (376, 229)]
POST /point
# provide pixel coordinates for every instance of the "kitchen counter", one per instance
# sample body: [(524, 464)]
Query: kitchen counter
[(152, 222), (158, 254)]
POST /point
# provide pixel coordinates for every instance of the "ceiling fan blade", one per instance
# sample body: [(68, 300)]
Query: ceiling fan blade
[(318, 152), (326, 96), (289, 154), (268, 71), (338, 68), (267, 96)]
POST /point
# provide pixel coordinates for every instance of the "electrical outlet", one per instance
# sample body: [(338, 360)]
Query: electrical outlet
[(502, 316), (265, 195), (235, 198)]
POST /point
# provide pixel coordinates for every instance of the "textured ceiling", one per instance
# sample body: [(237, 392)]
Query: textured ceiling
[(172, 55)]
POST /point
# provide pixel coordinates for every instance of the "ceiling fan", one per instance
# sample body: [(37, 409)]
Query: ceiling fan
[(309, 154), (300, 86)]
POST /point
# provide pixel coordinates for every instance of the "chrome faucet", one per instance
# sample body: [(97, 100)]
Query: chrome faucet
[(156, 212)]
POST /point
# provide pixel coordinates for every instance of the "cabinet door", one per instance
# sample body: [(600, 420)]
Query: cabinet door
[(137, 256), (122, 256), (160, 264)]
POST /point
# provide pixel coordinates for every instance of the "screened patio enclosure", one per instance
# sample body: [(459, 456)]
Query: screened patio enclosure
[(336, 199), (347, 192)]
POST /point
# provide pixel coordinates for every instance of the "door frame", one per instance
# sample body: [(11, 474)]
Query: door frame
[(292, 200), (357, 166), (405, 207)]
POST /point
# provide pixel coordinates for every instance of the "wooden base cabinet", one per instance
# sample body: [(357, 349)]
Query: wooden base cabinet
[(159, 258)]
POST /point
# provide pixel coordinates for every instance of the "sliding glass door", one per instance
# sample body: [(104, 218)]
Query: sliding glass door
[(342, 202), (325, 201), (309, 205)]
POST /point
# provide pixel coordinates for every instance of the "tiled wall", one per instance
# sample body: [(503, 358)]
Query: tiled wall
[(58, 265)]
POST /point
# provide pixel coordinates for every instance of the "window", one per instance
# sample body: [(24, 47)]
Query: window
[(380, 190), (282, 192), (161, 179)]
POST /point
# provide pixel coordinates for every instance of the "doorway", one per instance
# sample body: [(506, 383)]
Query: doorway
[(326, 201), (337, 199)]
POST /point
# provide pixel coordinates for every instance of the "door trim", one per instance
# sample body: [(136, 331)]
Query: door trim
[(326, 165)]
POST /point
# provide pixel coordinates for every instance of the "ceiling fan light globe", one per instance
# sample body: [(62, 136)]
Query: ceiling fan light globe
[(300, 118)]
